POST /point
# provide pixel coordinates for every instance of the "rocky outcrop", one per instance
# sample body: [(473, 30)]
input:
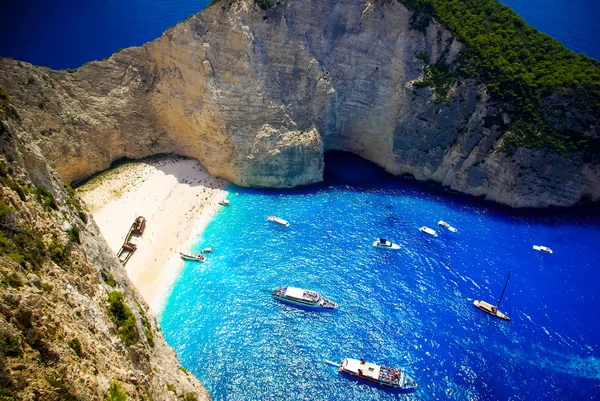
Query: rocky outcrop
[(60, 338), (258, 96)]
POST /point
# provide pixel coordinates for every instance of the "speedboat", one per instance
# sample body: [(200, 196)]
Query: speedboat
[(447, 226), (224, 202), (428, 230), (542, 248), (385, 244), (377, 374), (299, 296), (278, 220), (192, 256), (207, 250)]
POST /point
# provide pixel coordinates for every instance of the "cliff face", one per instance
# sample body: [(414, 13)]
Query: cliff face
[(60, 338), (258, 97)]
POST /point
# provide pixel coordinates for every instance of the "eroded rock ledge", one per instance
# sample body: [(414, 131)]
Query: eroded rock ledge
[(258, 96)]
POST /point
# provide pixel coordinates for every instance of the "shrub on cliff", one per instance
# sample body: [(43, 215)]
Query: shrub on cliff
[(75, 345), (122, 316), (46, 199), (115, 393)]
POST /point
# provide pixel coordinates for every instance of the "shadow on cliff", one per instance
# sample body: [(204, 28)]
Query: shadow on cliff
[(165, 163), (345, 169)]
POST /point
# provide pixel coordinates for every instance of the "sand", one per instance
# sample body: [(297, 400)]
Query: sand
[(177, 197)]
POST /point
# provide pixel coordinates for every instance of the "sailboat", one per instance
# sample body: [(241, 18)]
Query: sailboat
[(491, 309)]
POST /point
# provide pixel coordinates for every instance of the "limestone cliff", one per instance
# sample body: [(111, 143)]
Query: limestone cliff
[(60, 337), (258, 96)]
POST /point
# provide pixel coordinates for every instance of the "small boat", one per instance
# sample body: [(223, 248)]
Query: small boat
[(542, 248), (299, 296), (192, 256), (491, 309), (447, 226), (428, 230), (380, 375), (224, 202), (385, 244), (207, 250), (278, 220)]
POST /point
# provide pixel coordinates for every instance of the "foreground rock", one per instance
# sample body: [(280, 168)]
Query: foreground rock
[(60, 337), (258, 96)]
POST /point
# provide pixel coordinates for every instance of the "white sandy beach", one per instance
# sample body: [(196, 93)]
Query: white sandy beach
[(176, 196)]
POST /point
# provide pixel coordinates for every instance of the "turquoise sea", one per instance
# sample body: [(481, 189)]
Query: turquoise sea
[(411, 308)]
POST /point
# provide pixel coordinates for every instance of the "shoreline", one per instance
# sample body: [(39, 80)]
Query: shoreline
[(178, 198)]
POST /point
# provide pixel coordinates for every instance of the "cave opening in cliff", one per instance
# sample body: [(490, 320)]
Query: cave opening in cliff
[(346, 168)]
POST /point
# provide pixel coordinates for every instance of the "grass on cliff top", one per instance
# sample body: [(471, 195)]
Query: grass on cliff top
[(519, 65)]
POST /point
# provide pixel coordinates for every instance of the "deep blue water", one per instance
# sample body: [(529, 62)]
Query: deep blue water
[(67, 33), (411, 308)]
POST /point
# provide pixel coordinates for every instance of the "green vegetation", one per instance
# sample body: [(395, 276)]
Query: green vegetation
[(519, 65), (7, 181), (148, 329), (115, 393), (12, 280), (437, 77), (9, 345), (73, 199), (58, 253), (71, 70), (266, 4), (171, 388), (73, 234), (62, 389), (46, 199), (123, 317), (75, 345), (6, 109), (22, 246), (5, 210), (111, 280), (190, 397)]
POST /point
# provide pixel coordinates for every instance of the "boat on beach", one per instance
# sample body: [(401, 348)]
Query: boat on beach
[(207, 250), (302, 297), (380, 375), (385, 244), (542, 248), (278, 220), (224, 202), (198, 257), (493, 309), (447, 226), (428, 230)]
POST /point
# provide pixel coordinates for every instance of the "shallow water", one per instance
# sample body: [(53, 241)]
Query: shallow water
[(411, 308)]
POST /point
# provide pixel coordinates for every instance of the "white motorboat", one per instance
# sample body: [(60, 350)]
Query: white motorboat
[(192, 256), (299, 296), (224, 202), (447, 226), (207, 250), (385, 244), (542, 248), (278, 220), (428, 230), (380, 375)]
